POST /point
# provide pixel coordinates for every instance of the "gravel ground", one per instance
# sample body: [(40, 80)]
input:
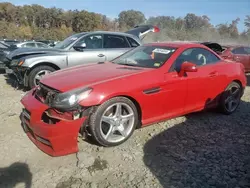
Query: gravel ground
[(198, 150)]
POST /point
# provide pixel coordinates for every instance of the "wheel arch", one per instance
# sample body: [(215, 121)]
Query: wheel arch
[(37, 65), (43, 64), (238, 81), (138, 107), (133, 99)]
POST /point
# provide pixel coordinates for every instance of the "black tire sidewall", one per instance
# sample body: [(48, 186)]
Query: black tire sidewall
[(34, 71), (95, 119)]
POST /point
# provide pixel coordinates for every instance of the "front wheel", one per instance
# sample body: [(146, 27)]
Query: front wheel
[(37, 73), (114, 121), (231, 98)]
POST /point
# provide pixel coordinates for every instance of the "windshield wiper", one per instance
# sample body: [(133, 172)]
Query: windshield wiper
[(128, 64)]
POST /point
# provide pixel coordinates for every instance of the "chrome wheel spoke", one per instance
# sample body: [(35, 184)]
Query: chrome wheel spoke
[(122, 131), (126, 118), (107, 119), (235, 93), (118, 111), (233, 99), (110, 132), (40, 75)]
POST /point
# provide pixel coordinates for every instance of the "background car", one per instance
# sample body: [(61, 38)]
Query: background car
[(237, 53), (6, 48), (109, 100), (30, 66), (50, 43), (30, 44)]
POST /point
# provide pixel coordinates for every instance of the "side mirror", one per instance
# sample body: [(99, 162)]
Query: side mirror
[(80, 47), (187, 67)]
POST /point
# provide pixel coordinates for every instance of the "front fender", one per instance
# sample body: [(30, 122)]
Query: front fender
[(96, 99), (59, 61)]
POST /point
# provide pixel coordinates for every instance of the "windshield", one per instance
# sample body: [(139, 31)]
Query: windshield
[(146, 56), (66, 42)]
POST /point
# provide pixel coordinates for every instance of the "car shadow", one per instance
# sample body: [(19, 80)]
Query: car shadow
[(206, 150), (11, 80), (15, 174), (2, 71), (248, 79)]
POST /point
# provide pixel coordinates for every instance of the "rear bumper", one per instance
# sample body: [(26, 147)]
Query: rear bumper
[(54, 139)]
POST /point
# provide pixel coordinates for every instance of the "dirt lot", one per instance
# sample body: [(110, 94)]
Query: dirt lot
[(198, 150)]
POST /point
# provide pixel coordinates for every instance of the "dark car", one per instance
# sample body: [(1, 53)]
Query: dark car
[(5, 49)]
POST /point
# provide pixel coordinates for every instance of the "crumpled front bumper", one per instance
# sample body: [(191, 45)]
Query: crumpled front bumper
[(54, 139)]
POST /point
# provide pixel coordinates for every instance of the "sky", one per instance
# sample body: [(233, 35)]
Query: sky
[(219, 11)]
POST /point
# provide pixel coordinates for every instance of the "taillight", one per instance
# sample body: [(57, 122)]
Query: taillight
[(156, 29)]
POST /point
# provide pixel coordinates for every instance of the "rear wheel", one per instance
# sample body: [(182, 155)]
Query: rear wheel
[(230, 99), (37, 73), (114, 121)]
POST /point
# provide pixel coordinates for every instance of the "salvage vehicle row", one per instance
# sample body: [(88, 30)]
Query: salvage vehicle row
[(30, 65)]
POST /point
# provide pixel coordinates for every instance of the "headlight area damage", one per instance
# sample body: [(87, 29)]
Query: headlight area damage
[(52, 119)]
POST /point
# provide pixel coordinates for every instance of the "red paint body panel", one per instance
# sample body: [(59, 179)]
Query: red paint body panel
[(62, 136), (178, 95)]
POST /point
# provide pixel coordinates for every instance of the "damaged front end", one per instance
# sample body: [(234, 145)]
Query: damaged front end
[(54, 119), (19, 72)]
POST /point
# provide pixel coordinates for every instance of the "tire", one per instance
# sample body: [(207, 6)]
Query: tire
[(223, 104), (96, 124), (35, 71)]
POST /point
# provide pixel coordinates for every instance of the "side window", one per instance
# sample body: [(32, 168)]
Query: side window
[(198, 56), (41, 45), (247, 49), (239, 50), (115, 41), (90, 42), (132, 42), (30, 45)]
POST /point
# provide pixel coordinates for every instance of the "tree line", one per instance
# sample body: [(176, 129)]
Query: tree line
[(38, 22)]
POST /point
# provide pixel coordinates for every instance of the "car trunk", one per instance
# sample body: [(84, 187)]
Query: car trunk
[(141, 30), (214, 46)]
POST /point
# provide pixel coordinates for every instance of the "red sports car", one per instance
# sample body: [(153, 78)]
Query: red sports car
[(239, 54), (109, 100)]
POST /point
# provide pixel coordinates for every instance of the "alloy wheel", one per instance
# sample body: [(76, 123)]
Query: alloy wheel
[(233, 98), (117, 122), (40, 75)]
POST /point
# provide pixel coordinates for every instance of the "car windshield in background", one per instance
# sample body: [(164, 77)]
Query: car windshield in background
[(146, 56), (66, 42)]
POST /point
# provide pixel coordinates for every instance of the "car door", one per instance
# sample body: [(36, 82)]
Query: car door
[(115, 45), (240, 55), (201, 84), (88, 50)]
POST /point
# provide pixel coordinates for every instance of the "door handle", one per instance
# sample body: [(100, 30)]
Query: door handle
[(100, 55), (213, 74)]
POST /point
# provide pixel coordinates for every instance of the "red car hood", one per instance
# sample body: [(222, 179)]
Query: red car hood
[(88, 75)]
